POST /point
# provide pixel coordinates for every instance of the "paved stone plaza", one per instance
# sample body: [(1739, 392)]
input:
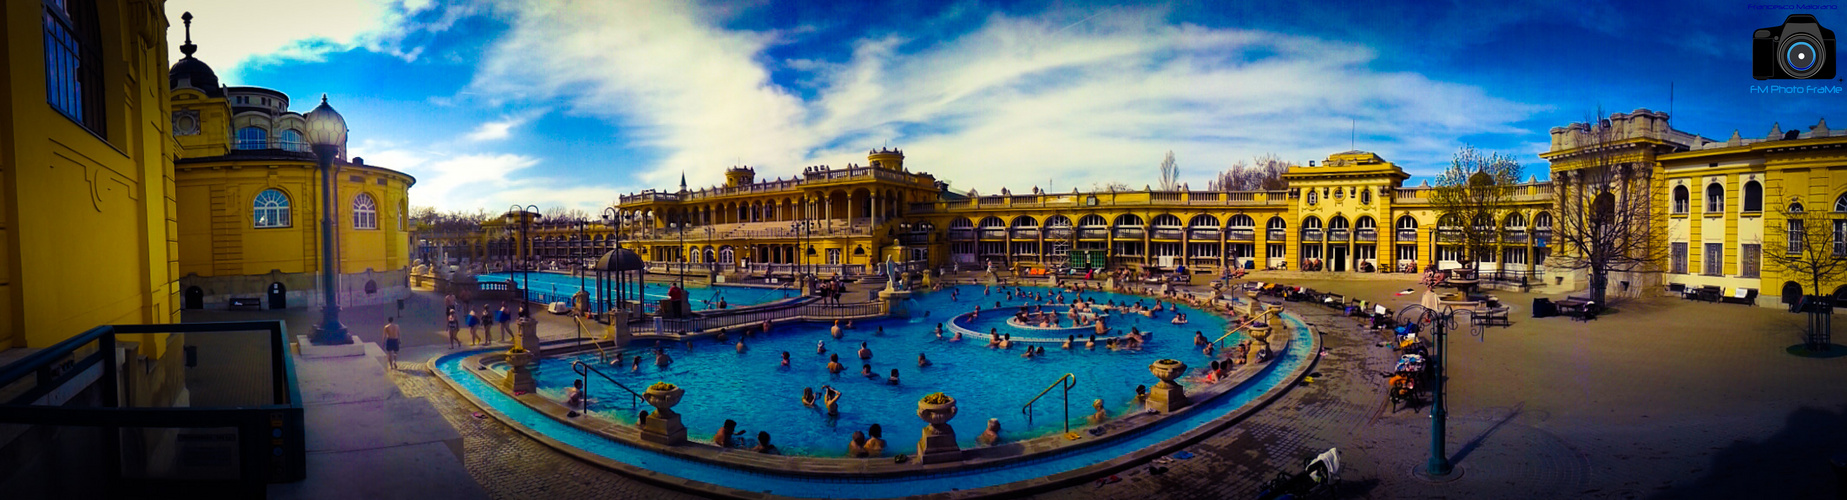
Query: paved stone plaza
[(1663, 399)]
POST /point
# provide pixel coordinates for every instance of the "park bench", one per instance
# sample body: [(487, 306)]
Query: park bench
[(1746, 296), (1581, 308), (1496, 316), (252, 303)]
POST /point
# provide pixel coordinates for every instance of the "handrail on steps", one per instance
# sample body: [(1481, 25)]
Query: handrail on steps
[(584, 370), (1069, 380)]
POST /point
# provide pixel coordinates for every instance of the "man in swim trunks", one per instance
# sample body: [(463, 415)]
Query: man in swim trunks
[(391, 342)]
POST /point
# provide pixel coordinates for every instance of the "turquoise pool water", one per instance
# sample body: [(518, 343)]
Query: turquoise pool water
[(898, 433), (553, 287)]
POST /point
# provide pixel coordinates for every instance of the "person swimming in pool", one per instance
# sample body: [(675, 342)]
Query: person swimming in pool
[(785, 358), (636, 366), (1199, 338), (835, 331), (1092, 343), (820, 347), (808, 397), (880, 331), (1028, 354), (1068, 340), (993, 338), (939, 330), (866, 371), (1101, 415), (894, 377), (833, 364), (957, 338), (830, 398), (922, 361), (864, 352), (661, 359)]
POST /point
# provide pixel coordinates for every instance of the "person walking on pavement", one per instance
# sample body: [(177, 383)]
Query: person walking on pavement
[(391, 342), (506, 330), (487, 323), (474, 323), (454, 342)]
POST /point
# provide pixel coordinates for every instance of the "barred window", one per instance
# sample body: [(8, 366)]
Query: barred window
[(73, 63), (365, 212), (271, 209)]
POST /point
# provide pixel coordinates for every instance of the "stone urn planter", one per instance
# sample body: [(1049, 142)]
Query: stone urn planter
[(938, 443), (663, 424), (1167, 396), (519, 374)]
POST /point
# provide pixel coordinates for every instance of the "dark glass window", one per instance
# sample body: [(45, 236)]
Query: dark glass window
[(73, 66)]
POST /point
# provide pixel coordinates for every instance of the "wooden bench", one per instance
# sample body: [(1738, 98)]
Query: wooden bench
[(252, 303), (1581, 308)]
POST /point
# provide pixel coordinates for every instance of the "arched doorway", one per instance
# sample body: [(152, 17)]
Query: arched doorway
[(278, 296), (1792, 292), (195, 298)]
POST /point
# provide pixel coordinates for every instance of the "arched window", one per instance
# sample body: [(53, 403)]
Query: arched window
[(1543, 221), (1242, 220), (1516, 221), (1166, 220), (1129, 220), (1025, 221), (961, 223), (1680, 200), (1337, 222), (1450, 221), (1276, 223), (1715, 198), (1840, 204), (1311, 222), (1203, 220), (1365, 222), (1407, 222), (1310, 199), (365, 212), (290, 139), (1058, 221), (992, 221), (271, 209), (252, 138), (1092, 220), (1753, 197)]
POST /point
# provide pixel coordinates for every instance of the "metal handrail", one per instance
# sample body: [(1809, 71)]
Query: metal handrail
[(584, 369), (1069, 381)]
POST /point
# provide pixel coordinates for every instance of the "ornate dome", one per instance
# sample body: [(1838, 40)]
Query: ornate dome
[(192, 72), (620, 259)]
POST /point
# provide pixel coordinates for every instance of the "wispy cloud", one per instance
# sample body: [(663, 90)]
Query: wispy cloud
[(1014, 102), (500, 129), (236, 35)]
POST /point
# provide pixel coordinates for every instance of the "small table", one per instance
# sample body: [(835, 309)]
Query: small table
[(1574, 307)]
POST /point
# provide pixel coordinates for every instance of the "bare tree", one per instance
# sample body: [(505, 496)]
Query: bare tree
[(1170, 173), (1475, 190), (1810, 246), (1264, 173), (1606, 220), (1111, 186)]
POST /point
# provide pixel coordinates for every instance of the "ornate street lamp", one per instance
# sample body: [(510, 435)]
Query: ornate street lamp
[(1440, 322), (327, 133)]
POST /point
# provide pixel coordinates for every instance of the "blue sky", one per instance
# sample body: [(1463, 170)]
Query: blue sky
[(491, 103)]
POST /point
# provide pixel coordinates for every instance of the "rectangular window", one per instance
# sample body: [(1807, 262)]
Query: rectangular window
[(1407, 253), (833, 256), (1514, 256), (1795, 237), (1275, 251), (1714, 262), (73, 66), (1449, 253), (1311, 251), (1840, 244), (1749, 257), (1679, 257)]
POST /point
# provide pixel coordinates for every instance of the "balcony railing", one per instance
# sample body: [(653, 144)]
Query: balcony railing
[(1245, 234), (1277, 235), (961, 234), (993, 234), (1166, 234), (1514, 237), (1406, 235), (1203, 234), (1058, 233), (1311, 235), (1128, 232), (1337, 235), (1366, 234), (1025, 233), (914, 239), (1093, 233), (1449, 235)]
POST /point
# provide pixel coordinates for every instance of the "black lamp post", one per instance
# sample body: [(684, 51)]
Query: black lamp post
[(327, 132), (523, 247), (1441, 322)]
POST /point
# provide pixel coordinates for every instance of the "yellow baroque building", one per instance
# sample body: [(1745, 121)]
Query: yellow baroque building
[(249, 202), (87, 193)]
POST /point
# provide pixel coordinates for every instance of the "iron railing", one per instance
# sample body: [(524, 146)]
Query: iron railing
[(1068, 381), (265, 440)]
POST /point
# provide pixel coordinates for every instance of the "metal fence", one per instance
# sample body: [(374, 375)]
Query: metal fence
[(806, 309)]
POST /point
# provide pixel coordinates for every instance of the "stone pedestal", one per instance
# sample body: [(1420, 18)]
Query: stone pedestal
[(528, 336), (938, 443), (580, 302), (663, 425), (892, 303), (519, 375), (619, 329), (1167, 396)]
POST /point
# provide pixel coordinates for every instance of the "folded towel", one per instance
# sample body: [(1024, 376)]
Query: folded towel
[(1183, 455)]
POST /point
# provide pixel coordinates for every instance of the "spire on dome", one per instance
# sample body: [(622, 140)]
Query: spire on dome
[(188, 48)]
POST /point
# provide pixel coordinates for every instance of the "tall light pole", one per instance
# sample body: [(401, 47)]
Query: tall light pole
[(523, 247), (1441, 322), (327, 132)]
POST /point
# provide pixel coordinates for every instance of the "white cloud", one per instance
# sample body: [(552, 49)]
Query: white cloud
[(1013, 103), (464, 182), (499, 129)]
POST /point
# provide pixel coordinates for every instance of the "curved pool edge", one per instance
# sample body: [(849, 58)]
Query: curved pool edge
[(1012, 489)]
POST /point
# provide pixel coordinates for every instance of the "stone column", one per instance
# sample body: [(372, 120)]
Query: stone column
[(519, 376), (529, 336)]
